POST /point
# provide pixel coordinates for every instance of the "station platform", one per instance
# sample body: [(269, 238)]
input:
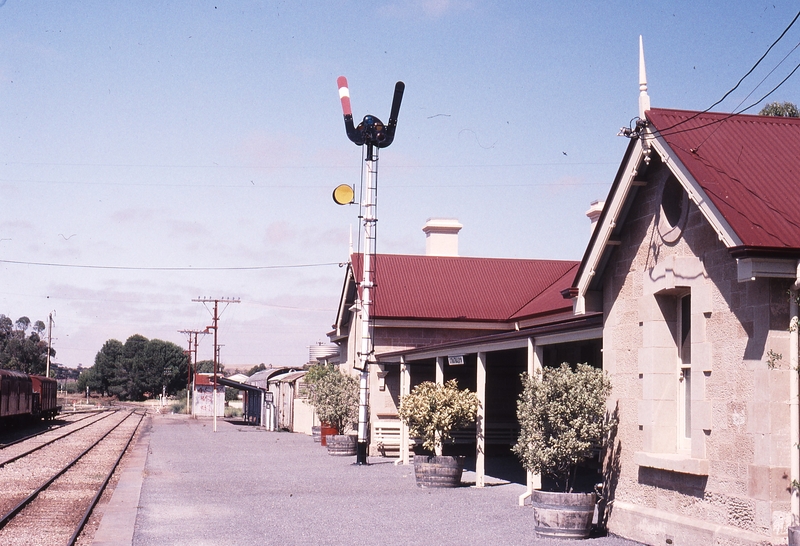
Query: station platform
[(187, 485)]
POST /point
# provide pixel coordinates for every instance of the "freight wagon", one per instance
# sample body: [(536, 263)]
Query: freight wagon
[(24, 397)]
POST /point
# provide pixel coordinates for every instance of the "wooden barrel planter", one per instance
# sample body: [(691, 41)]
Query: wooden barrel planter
[(794, 535), (563, 515), (443, 471), (316, 435), (342, 445), (326, 430)]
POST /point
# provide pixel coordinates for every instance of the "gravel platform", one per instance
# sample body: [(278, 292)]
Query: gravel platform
[(242, 485)]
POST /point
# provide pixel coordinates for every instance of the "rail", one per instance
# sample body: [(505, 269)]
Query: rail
[(34, 497), (40, 446)]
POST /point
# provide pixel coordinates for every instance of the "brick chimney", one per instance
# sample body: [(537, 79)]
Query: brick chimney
[(441, 236)]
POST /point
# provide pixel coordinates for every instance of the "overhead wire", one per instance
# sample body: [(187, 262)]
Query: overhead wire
[(138, 268), (726, 118), (665, 131)]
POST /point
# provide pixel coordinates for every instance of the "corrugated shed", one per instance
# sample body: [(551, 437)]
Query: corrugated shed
[(749, 166), (467, 289), (287, 377)]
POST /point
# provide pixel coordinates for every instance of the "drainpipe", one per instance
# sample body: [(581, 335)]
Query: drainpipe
[(794, 391)]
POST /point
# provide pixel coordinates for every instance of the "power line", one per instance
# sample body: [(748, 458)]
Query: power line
[(667, 132), (664, 131), (720, 120), (312, 167), (326, 185), (129, 268)]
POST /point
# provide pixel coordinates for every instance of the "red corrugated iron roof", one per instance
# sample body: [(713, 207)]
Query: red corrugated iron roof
[(468, 289), (749, 166)]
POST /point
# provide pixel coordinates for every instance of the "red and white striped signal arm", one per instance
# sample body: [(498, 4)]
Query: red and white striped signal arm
[(344, 96)]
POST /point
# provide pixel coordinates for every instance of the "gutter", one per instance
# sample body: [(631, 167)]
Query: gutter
[(794, 391)]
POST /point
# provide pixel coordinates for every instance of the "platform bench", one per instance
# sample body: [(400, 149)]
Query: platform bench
[(386, 438)]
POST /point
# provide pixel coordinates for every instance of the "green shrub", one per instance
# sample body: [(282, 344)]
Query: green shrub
[(335, 399), (562, 418), (179, 405), (314, 375), (231, 394), (432, 411)]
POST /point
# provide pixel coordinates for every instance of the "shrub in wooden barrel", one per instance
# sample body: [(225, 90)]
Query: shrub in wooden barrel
[(563, 515), (315, 434), (443, 471), (326, 430), (342, 445)]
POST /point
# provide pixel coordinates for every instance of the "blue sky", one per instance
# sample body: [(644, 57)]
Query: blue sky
[(209, 135)]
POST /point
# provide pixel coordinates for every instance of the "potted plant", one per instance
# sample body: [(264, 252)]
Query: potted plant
[(335, 398), (432, 411), (313, 376), (563, 422)]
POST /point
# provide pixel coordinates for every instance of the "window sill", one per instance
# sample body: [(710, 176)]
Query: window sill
[(672, 462)]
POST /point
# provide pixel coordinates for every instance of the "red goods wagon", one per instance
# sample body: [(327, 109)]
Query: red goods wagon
[(15, 395), (45, 391)]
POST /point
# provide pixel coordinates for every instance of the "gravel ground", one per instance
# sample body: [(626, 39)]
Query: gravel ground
[(241, 485)]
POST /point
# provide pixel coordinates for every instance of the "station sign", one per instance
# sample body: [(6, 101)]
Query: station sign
[(457, 360)]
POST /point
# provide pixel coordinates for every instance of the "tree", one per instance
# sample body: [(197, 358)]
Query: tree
[(166, 367), (207, 366), (19, 351), (105, 364), (39, 327), (6, 327), (23, 323), (137, 369), (781, 109), (256, 369), (86, 379)]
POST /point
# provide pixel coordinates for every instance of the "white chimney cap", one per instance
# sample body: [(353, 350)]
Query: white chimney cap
[(441, 236), (448, 225)]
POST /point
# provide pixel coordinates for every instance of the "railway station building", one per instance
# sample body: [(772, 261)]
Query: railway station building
[(481, 321), (686, 295)]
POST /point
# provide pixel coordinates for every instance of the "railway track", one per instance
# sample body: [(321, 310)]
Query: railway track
[(31, 444), (47, 495), (63, 421)]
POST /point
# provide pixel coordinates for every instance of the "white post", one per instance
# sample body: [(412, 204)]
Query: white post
[(367, 285), (405, 388), (480, 428), (794, 417), (534, 481), (439, 381), (439, 370)]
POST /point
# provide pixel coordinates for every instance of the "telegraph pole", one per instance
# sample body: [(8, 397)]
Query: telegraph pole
[(49, 342), (189, 353), (215, 326)]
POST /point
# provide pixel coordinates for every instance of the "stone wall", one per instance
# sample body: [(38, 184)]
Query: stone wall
[(728, 483)]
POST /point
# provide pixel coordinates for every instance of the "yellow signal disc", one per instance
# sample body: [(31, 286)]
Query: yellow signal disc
[(343, 195)]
